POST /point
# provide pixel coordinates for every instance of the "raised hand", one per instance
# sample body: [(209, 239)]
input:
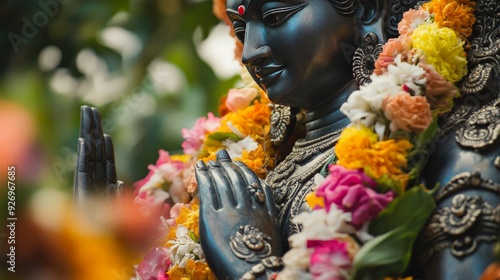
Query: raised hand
[(95, 172), (238, 226)]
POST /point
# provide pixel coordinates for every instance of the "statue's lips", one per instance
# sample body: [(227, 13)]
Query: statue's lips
[(267, 76)]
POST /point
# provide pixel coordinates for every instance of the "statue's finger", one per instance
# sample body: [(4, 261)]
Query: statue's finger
[(239, 185), (209, 198), (99, 145), (222, 185), (82, 186), (271, 205), (253, 183), (110, 160), (86, 133)]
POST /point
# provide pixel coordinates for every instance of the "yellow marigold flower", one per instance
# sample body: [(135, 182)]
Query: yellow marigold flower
[(194, 270), (443, 50), (189, 218), (358, 148), (198, 270), (313, 200), (184, 158), (457, 15)]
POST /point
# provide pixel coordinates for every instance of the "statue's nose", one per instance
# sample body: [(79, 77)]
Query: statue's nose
[(255, 49)]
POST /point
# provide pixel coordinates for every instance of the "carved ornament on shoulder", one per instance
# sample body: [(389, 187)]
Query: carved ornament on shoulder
[(468, 221), (484, 54), (481, 129)]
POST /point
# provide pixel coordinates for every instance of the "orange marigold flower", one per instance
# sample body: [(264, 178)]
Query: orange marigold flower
[(457, 15), (358, 148), (177, 273), (259, 160)]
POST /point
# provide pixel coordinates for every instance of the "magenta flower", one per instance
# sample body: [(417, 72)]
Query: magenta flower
[(330, 259), (351, 191), (154, 265), (194, 137)]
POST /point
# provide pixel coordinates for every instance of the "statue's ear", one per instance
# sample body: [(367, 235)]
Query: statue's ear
[(377, 23)]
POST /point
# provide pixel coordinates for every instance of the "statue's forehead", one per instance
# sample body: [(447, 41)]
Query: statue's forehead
[(234, 4)]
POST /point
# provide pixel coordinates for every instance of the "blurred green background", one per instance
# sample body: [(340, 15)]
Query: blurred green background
[(137, 61)]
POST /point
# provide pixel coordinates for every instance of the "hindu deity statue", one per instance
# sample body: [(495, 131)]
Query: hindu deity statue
[(315, 59)]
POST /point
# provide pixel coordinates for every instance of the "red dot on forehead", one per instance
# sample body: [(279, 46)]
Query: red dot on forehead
[(241, 10)]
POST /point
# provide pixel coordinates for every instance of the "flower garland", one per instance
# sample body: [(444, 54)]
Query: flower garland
[(365, 219), (242, 130), (363, 207)]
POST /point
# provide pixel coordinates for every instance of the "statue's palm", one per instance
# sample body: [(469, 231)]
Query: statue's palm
[(95, 172), (233, 199)]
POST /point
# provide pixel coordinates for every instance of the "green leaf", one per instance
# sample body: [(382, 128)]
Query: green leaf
[(221, 136), (396, 229), (413, 208), (385, 255)]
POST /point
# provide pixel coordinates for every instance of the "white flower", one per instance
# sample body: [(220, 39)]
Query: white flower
[(412, 76), (235, 130), (184, 248), (298, 258), (364, 106), (235, 149), (316, 225), (292, 273), (319, 224)]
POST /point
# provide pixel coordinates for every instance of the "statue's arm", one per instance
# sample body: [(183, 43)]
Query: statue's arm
[(95, 172)]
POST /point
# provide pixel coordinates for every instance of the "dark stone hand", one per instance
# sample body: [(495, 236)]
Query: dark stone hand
[(95, 172), (233, 199)]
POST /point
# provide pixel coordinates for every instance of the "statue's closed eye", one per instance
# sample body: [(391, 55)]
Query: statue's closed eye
[(239, 30), (277, 16)]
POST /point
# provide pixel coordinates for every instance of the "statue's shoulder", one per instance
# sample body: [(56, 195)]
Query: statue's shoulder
[(464, 163)]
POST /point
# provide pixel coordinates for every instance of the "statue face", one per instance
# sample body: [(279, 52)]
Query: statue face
[(297, 50)]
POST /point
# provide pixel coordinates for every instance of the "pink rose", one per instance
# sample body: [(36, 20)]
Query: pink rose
[(407, 112), (411, 19), (391, 49), (154, 265), (330, 259), (193, 138), (154, 203), (351, 191), (439, 91), (165, 166), (240, 98)]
